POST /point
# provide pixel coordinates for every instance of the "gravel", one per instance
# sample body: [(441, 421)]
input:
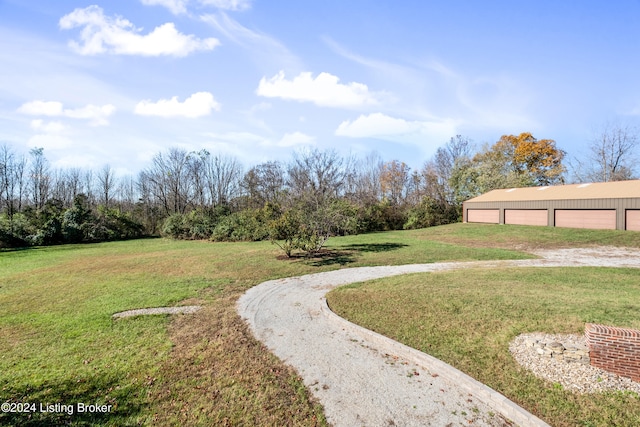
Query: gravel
[(572, 376), (184, 309), (365, 379)]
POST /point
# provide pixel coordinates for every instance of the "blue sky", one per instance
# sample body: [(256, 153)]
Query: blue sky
[(115, 82)]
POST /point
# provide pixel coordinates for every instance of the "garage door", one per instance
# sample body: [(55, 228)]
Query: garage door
[(525, 216), (600, 219), (633, 220), (491, 216)]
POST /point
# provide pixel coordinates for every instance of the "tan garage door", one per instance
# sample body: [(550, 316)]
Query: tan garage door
[(633, 220), (525, 216), (601, 219), (491, 216)]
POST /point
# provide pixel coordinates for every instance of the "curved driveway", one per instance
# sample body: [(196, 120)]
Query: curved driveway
[(365, 379)]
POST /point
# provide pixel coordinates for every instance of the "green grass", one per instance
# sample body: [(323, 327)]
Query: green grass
[(467, 318), (524, 237), (59, 344)]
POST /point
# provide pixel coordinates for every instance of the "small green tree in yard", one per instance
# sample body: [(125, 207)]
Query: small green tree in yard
[(307, 228), (285, 231)]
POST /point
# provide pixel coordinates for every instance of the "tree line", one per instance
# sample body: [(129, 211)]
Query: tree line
[(297, 204)]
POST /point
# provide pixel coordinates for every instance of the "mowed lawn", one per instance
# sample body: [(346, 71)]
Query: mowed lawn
[(468, 318), (60, 346)]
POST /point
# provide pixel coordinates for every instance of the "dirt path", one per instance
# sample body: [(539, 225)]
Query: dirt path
[(363, 378)]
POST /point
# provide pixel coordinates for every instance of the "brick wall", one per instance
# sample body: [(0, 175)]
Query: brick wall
[(615, 350)]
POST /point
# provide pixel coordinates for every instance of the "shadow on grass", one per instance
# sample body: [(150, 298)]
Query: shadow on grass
[(375, 247), (348, 254), (60, 404)]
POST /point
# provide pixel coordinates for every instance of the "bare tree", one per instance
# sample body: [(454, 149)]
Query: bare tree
[(74, 181), (394, 181), (11, 181), (126, 192), (612, 155), (59, 187), (316, 175), (264, 183), (198, 173), (365, 189), (19, 185), (106, 183), (436, 173), (223, 178), (87, 186), (168, 181), (40, 179)]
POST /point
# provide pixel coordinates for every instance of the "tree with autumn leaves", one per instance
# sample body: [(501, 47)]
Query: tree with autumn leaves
[(301, 203), (513, 161)]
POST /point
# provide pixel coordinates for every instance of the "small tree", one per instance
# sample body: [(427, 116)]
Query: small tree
[(307, 229), (612, 155), (285, 231)]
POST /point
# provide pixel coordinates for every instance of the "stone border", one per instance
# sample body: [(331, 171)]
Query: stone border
[(184, 309), (495, 400)]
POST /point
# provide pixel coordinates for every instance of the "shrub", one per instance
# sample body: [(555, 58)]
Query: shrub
[(430, 213), (175, 226), (246, 225)]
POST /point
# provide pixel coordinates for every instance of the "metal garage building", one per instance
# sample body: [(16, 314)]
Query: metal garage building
[(603, 205)]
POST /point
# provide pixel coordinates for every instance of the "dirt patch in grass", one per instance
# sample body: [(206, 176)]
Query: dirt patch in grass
[(218, 374)]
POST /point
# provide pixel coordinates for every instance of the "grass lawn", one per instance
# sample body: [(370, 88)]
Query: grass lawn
[(59, 344), (467, 319)]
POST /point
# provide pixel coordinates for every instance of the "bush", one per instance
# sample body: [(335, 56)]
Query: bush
[(112, 224), (246, 225), (307, 227), (285, 231), (14, 232), (175, 226), (430, 213)]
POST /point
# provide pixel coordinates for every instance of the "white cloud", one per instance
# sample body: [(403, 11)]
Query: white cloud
[(178, 7), (294, 139), (381, 126), (248, 139), (175, 6), (103, 34), (266, 51), (97, 115), (47, 127), (324, 90), (237, 5), (197, 105), (41, 108)]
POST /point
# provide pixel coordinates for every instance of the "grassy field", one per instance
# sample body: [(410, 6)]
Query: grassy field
[(59, 344), (468, 318)]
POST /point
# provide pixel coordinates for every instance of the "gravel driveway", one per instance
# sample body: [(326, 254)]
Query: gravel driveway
[(365, 379)]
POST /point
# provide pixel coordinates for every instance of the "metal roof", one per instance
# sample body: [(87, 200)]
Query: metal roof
[(593, 190)]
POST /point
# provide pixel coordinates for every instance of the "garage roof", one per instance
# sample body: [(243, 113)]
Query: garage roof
[(594, 190)]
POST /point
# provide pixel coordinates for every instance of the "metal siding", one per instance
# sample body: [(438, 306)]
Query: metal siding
[(619, 204), (633, 220), (526, 216), (491, 216), (581, 218), (587, 191)]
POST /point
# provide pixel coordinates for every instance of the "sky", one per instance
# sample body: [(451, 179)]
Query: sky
[(115, 82)]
